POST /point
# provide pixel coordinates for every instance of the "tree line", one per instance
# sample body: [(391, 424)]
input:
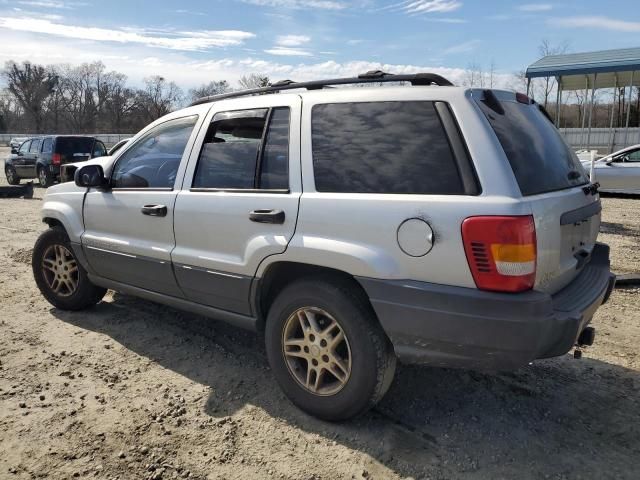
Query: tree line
[(89, 99)]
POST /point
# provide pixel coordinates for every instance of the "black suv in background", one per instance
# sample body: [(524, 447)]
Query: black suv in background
[(41, 157)]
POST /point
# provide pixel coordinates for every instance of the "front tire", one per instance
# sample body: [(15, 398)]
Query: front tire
[(326, 349), (12, 176), (58, 274)]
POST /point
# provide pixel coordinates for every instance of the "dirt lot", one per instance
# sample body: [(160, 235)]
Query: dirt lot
[(131, 389)]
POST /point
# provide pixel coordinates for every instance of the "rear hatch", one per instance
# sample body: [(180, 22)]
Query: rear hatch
[(74, 149), (552, 181)]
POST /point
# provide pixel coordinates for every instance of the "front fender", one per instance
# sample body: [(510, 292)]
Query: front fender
[(67, 211)]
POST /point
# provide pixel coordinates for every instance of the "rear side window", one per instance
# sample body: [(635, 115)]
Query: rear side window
[(540, 158), (246, 149), (46, 145), (382, 147)]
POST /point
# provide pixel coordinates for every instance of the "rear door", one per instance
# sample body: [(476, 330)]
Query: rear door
[(128, 234), (552, 182), (239, 200)]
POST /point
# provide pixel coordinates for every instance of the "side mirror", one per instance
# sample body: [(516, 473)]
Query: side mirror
[(90, 176), (14, 149)]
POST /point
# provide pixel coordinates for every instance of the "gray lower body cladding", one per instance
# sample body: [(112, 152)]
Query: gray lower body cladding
[(448, 326)]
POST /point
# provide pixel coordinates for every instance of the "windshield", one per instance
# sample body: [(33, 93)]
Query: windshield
[(539, 156)]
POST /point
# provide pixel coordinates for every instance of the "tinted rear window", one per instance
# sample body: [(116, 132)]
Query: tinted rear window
[(69, 146), (540, 158), (382, 147)]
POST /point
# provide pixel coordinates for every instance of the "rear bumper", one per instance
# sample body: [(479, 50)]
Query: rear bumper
[(464, 327)]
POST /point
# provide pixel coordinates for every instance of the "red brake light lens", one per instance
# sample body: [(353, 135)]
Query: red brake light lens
[(501, 252), (522, 98), (56, 159)]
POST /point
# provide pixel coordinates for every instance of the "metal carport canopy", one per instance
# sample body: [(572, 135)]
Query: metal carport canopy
[(613, 68)]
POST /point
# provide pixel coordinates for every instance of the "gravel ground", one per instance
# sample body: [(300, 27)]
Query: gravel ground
[(131, 389)]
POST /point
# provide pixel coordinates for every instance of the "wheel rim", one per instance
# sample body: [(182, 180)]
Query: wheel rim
[(42, 176), (316, 351), (60, 270), (10, 175)]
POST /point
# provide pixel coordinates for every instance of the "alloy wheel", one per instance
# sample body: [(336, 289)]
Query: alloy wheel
[(60, 270), (316, 351)]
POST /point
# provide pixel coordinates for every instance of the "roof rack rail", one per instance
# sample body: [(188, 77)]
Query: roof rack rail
[(373, 76)]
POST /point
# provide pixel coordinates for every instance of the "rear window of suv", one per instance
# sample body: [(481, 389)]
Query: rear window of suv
[(540, 158), (382, 147), (68, 146)]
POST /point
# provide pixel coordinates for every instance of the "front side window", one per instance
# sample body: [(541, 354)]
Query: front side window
[(245, 149), (35, 145), (154, 160), (24, 148), (46, 145), (632, 156), (382, 147)]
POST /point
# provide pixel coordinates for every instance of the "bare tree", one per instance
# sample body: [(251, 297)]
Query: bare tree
[(30, 85), (159, 97), (206, 90), (546, 49), (254, 80)]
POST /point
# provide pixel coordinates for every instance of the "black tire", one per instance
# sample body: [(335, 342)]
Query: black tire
[(372, 361), (85, 294), (12, 175), (44, 177)]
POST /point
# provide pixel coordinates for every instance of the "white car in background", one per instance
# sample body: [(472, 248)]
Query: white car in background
[(618, 172)]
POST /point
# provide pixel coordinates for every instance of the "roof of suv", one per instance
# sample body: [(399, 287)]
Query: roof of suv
[(374, 76)]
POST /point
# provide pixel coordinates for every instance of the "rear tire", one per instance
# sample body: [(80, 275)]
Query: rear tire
[(59, 275), (12, 176), (44, 177), (303, 322)]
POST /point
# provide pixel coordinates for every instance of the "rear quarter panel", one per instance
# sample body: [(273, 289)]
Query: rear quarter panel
[(357, 233)]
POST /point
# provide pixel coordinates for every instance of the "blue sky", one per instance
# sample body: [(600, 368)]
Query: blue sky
[(192, 42)]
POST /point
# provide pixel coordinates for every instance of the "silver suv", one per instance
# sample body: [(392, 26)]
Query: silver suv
[(438, 225)]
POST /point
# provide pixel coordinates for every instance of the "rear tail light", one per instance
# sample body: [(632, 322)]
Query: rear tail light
[(501, 252), (56, 159), (522, 98)]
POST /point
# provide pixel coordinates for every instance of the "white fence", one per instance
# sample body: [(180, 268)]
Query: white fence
[(602, 139), (109, 139)]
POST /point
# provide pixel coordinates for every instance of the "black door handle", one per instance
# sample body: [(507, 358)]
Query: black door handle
[(267, 216), (154, 210)]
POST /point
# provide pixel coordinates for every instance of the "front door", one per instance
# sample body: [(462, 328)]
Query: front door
[(129, 228), (19, 162), (239, 199), (31, 158)]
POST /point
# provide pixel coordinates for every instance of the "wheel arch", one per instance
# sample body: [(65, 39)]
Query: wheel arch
[(62, 215), (278, 275)]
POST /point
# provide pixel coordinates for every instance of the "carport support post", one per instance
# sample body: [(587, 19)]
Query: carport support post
[(593, 94), (626, 125), (558, 99), (584, 110), (528, 85), (612, 135)]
